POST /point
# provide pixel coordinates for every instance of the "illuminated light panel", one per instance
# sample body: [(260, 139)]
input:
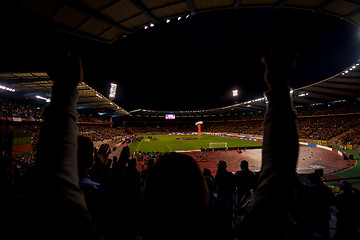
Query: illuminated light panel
[(112, 91)]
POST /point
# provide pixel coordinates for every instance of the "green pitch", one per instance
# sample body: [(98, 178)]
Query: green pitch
[(168, 143)]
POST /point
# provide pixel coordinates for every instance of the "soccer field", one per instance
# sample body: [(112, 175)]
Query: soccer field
[(169, 143)]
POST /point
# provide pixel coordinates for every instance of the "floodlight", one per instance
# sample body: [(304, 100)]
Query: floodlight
[(235, 93), (112, 93), (7, 88), (43, 98)]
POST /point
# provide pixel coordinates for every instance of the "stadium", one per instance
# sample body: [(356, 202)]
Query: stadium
[(137, 113)]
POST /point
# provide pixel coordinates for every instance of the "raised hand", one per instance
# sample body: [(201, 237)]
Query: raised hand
[(278, 64), (103, 153), (67, 72)]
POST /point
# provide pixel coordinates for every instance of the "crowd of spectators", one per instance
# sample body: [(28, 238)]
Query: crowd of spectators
[(329, 108), (325, 128), (310, 127), (351, 138), (113, 187), (314, 122), (314, 206), (12, 109), (89, 118), (99, 132)]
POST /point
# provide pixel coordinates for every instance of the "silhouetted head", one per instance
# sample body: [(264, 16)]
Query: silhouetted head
[(222, 165), (175, 195), (244, 165), (206, 172), (314, 178), (175, 178), (150, 162), (344, 186)]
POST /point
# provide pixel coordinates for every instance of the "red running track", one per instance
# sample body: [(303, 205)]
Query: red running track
[(310, 158)]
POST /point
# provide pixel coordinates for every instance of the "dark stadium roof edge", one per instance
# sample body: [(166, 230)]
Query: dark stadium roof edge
[(340, 87), (37, 86), (108, 21)]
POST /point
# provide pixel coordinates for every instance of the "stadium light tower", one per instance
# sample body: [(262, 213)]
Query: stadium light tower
[(112, 93), (235, 94)]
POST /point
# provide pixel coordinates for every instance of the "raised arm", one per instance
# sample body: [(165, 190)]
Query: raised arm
[(63, 205), (268, 215)]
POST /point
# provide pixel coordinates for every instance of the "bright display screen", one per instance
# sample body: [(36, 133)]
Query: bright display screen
[(169, 116)]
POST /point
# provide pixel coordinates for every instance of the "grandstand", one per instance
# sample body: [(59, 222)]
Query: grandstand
[(328, 111), (321, 122)]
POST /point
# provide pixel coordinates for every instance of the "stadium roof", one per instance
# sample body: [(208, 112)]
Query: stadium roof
[(37, 85), (109, 20), (344, 86)]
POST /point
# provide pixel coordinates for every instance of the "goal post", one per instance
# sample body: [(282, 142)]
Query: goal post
[(218, 145)]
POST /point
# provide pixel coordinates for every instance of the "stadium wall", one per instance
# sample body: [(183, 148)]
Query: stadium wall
[(323, 147)]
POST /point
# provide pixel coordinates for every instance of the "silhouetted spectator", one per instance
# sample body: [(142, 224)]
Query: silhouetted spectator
[(319, 199), (220, 211), (245, 183), (268, 215), (59, 206), (133, 182), (12, 204), (146, 171), (175, 198), (96, 196), (224, 183), (245, 178), (348, 211), (176, 203), (209, 178)]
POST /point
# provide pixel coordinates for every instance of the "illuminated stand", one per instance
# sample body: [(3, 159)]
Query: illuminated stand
[(198, 124)]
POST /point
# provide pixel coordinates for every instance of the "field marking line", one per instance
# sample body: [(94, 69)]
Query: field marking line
[(138, 146), (169, 147)]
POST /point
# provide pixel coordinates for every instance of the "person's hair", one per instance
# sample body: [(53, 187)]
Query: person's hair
[(175, 198), (175, 181)]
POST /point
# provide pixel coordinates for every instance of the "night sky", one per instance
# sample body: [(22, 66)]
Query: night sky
[(193, 63)]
